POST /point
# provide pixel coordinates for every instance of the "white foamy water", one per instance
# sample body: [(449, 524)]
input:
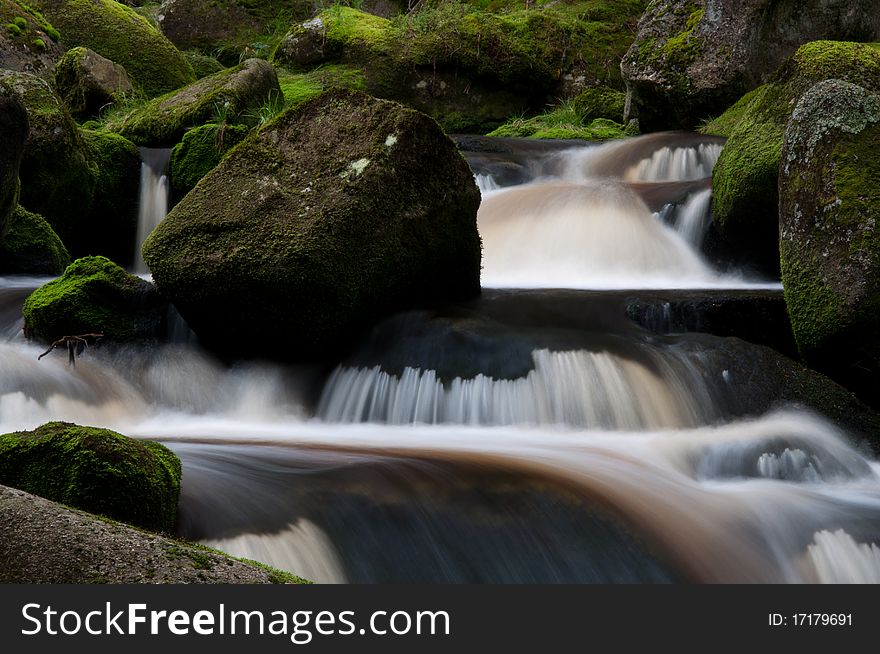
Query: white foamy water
[(837, 558), (153, 205), (301, 548), (578, 389), (594, 235)]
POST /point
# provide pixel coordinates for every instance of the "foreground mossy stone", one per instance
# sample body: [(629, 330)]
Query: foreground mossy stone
[(120, 34), (30, 247), (745, 180), (829, 238), (28, 42), (95, 296), (88, 82), (56, 178), (13, 136), (233, 96), (315, 225), (600, 102), (203, 65), (96, 470), (43, 542), (199, 151), (692, 59)]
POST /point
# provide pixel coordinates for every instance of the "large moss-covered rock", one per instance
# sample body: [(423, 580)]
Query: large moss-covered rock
[(88, 82), (318, 223), (230, 96), (29, 246), (468, 68), (95, 296), (199, 151), (829, 232), (56, 178), (745, 179), (28, 42), (13, 135), (120, 34), (694, 58), (111, 227), (96, 470)]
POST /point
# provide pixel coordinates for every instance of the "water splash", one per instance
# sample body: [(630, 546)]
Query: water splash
[(838, 559)]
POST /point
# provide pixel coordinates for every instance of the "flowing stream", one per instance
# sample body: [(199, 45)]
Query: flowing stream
[(527, 436)]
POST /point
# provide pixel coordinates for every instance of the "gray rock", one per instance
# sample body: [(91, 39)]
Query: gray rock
[(694, 58), (829, 242), (322, 221), (88, 82)]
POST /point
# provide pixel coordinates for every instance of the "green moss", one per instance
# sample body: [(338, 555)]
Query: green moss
[(41, 21), (200, 150), (21, 22), (203, 65), (120, 34), (95, 470), (39, 44), (234, 95), (115, 163), (600, 102), (29, 246), (197, 553), (522, 53), (724, 124), (683, 49), (745, 179), (93, 296), (563, 122), (13, 30)]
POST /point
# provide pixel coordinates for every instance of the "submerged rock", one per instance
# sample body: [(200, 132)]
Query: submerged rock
[(119, 33), (30, 247), (96, 470), (230, 96), (88, 82), (745, 179), (13, 136), (95, 296), (28, 42), (323, 220), (829, 239), (694, 58)]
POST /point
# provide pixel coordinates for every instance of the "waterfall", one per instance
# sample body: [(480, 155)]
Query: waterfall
[(691, 220), (580, 389), (595, 234), (153, 205)]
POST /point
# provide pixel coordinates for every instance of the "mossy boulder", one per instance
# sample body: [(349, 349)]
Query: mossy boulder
[(56, 178), (230, 96), (315, 225), (199, 151), (30, 247), (96, 470), (28, 42), (600, 102), (13, 136), (203, 65), (692, 58), (111, 227), (468, 68), (95, 296), (227, 26), (88, 82), (830, 232), (745, 179), (120, 34)]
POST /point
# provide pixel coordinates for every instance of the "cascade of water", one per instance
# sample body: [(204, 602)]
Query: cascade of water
[(153, 198), (595, 234), (691, 220), (577, 389)]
